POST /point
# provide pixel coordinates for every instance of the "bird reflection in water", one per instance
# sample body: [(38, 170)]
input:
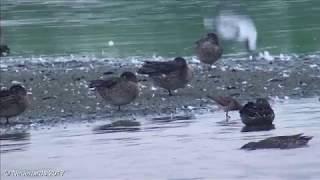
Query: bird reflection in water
[(14, 140)]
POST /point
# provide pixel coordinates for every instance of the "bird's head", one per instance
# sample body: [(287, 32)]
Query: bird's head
[(129, 76), (18, 90), (181, 61)]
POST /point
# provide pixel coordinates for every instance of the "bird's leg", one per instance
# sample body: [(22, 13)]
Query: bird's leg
[(170, 94), (119, 109), (7, 121), (206, 73), (227, 116)]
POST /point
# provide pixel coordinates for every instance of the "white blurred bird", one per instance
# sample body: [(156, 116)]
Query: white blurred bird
[(232, 26)]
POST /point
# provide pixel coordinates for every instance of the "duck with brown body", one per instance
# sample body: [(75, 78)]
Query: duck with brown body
[(279, 142), (208, 49), (170, 75), (258, 113), (117, 91), (227, 103), (13, 102)]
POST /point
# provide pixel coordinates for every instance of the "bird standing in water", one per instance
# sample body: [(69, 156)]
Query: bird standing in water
[(117, 91), (170, 75), (258, 113), (227, 104), (208, 49), (13, 101)]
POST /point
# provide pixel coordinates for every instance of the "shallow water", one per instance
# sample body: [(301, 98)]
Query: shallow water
[(201, 146)]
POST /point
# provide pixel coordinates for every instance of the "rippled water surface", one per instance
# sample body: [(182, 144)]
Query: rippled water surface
[(197, 147), (144, 28)]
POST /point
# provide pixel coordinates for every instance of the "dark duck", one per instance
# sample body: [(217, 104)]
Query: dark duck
[(279, 142), (257, 113)]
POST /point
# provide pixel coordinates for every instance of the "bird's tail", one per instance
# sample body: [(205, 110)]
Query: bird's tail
[(148, 68), (306, 138), (301, 137), (212, 97), (96, 83)]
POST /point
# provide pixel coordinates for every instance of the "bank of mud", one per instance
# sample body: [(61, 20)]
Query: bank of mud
[(60, 90)]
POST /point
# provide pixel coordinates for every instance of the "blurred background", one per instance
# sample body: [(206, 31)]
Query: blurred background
[(124, 28)]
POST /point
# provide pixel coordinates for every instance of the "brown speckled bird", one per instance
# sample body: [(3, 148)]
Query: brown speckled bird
[(170, 75), (13, 101), (208, 49), (279, 142), (227, 104), (117, 91)]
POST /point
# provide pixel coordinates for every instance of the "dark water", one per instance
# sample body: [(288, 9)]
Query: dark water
[(144, 28), (198, 147)]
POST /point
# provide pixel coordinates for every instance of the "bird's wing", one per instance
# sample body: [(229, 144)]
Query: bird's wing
[(6, 101), (108, 83), (220, 100), (220, 51), (199, 42), (223, 100), (156, 67), (4, 93)]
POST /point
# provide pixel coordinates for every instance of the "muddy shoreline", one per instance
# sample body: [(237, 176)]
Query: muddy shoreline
[(60, 90)]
